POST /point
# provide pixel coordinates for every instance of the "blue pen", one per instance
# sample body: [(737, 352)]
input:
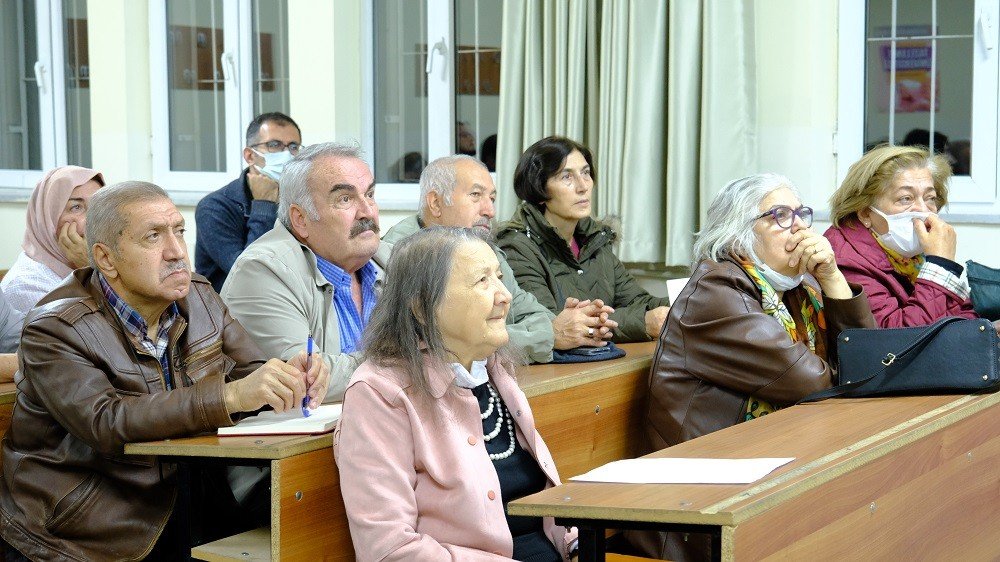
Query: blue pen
[(309, 354)]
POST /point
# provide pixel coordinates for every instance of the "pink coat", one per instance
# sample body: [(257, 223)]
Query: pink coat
[(895, 302), (416, 479)]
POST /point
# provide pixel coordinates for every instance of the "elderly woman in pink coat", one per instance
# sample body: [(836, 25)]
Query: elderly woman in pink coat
[(53, 236), (436, 437)]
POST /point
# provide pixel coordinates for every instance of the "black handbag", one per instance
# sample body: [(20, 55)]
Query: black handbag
[(984, 283), (951, 356)]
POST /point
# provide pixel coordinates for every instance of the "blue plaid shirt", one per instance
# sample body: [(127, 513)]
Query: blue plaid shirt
[(134, 323), (351, 323)]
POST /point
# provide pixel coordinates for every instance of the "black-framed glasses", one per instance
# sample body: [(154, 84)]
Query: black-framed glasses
[(278, 146), (785, 215)]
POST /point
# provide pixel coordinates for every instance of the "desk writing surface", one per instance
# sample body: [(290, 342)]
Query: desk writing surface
[(236, 447), (827, 439), (536, 380)]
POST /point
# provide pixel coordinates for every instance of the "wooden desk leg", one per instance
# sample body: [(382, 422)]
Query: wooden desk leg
[(307, 511), (592, 544)]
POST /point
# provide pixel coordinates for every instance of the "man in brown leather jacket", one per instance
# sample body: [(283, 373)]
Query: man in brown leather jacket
[(129, 349)]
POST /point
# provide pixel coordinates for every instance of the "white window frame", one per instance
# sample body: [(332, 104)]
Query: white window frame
[(974, 198), (237, 64), (51, 82), (440, 98)]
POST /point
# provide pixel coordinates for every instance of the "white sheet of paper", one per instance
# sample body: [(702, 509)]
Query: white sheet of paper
[(674, 288), (292, 422), (684, 471)]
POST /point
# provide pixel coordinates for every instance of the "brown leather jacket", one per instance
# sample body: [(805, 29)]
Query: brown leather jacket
[(85, 388), (717, 349)]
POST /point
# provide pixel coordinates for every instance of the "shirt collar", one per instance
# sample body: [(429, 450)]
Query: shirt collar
[(133, 321), (340, 278), (465, 379)]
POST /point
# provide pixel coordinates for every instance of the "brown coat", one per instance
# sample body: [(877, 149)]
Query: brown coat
[(719, 347), (86, 388)]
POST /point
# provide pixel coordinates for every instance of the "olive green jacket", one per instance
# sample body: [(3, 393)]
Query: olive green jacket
[(529, 324), (545, 266)]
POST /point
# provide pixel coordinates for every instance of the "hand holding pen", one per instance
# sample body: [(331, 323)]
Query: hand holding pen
[(317, 375), (309, 355)]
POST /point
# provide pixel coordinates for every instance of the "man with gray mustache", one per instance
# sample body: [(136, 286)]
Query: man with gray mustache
[(458, 191), (317, 272)]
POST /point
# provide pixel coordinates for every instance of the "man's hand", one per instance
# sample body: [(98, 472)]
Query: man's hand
[(317, 378), (73, 245), (276, 384), (262, 187), (655, 319), (583, 323), (937, 237)]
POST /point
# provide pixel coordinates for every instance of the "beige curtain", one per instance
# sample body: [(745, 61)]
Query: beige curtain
[(661, 91)]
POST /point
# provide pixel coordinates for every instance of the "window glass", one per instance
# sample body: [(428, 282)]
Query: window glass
[(477, 78), (400, 47), (930, 101), (196, 85), (20, 123), (270, 56), (77, 76)]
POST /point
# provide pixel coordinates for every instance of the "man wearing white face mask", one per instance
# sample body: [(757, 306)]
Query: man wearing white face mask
[(229, 219), (889, 239)]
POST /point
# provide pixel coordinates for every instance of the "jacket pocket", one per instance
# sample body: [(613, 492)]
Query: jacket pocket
[(74, 505), (207, 361)]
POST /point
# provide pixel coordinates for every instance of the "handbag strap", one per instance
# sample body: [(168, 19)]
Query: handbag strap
[(890, 358)]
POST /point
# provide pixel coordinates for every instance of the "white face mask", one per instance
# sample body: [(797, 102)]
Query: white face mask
[(902, 236), (274, 163), (779, 281)]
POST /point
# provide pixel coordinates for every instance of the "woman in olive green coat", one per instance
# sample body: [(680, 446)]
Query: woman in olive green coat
[(557, 251)]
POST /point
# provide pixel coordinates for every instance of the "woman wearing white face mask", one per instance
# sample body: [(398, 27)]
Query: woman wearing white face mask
[(752, 330), (889, 239)]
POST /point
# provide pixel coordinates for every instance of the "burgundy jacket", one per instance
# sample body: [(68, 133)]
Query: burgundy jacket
[(895, 302)]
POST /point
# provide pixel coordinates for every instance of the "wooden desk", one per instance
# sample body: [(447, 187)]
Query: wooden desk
[(588, 414), (890, 478)]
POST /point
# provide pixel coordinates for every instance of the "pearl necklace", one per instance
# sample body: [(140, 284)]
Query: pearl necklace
[(503, 414)]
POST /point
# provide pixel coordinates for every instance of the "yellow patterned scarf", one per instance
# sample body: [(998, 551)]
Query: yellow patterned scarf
[(907, 267), (812, 317)]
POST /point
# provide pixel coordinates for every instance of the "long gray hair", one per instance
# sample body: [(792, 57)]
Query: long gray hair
[(728, 232), (404, 324), (293, 187)]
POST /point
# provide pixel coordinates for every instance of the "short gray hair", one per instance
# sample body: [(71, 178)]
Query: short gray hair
[(403, 325), (293, 187), (728, 231), (106, 220), (439, 177)]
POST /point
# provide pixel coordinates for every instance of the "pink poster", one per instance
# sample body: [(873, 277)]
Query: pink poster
[(913, 72)]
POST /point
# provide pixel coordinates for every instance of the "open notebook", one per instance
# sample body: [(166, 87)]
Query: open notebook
[(321, 420)]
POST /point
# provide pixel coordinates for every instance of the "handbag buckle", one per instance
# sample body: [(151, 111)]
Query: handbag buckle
[(889, 358)]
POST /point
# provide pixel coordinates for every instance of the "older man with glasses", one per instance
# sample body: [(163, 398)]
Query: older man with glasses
[(229, 219)]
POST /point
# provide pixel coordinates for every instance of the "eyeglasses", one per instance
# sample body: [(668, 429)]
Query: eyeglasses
[(278, 146), (785, 215)]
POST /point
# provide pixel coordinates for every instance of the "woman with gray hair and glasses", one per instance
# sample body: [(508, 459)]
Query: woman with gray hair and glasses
[(435, 436), (754, 329)]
